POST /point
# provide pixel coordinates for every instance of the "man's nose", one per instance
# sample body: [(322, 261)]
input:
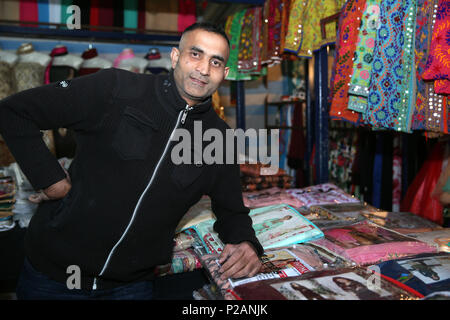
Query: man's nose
[(203, 67)]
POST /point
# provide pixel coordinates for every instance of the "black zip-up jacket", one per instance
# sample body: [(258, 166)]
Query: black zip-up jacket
[(118, 220)]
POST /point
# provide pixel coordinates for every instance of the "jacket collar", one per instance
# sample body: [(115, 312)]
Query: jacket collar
[(172, 100)]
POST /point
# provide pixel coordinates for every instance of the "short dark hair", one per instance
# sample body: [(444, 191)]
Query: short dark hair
[(207, 26)]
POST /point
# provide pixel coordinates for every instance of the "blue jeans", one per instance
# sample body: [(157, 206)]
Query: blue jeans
[(33, 285)]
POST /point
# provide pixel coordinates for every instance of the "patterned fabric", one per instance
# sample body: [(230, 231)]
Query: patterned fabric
[(270, 197), (442, 86), (349, 23), (6, 82), (233, 27), (326, 193), (362, 64), (274, 31), (438, 64), (294, 33), (430, 109), (250, 42), (392, 65), (314, 12)]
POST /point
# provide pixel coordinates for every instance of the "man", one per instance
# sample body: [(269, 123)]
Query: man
[(113, 214)]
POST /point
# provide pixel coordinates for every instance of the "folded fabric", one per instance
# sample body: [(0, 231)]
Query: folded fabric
[(426, 273), (343, 284), (326, 193), (7, 187), (269, 197), (367, 243), (201, 211), (264, 179)]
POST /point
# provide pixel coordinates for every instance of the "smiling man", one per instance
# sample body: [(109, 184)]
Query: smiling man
[(112, 216)]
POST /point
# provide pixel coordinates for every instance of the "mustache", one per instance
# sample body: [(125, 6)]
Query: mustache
[(200, 78)]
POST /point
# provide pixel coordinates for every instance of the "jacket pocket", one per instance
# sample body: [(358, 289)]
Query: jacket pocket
[(134, 134), (185, 175)]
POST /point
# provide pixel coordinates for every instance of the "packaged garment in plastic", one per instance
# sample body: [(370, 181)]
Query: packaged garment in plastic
[(182, 261), (343, 211), (343, 284), (201, 211), (440, 239), (326, 193), (399, 220), (270, 197), (425, 273), (367, 243), (277, 263)]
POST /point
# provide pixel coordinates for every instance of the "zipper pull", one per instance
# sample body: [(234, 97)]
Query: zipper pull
[(185, 112)]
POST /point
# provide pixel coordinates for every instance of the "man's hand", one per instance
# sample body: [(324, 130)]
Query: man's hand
[(240, 260), (56, 191)]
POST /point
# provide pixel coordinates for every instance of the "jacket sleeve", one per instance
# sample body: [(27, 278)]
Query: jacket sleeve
[(23, 115), (233, 224)]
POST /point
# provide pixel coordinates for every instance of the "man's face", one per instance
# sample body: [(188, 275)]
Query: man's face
[(199, 64)]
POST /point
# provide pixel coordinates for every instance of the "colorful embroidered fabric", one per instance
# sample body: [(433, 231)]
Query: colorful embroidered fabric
[(438, 64), (249, 60), (362, 64), (366, 243), (390, 89), (294, 33), (311, 31), (233, 27), (182, 261), (274, 30), (349, 23)]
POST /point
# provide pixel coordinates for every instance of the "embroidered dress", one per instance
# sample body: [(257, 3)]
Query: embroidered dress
[(389, 92), (438, 64), (362, 64), (234, 25), (294, 33), (250, 42), (349, 23), (430, 109)]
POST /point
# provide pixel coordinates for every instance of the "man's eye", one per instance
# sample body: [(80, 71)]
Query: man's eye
[(216, 63), (194, 54)]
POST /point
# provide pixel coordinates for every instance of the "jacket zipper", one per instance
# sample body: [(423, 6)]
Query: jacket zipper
[(182, 115)]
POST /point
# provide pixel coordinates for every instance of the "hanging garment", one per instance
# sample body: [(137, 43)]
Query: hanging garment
[(10, 10), (233, 26), (438, 63), (186, 14), (391, 81), (130, 14), (310, 26), (249, 60), (161, 15), (43, 12), (64, 6), (29, 12), (396, 174), (54, 11), (294, 34), (418, 198), (362, 65), (141, 14), (94, 14), (349, 23), (106, 13)]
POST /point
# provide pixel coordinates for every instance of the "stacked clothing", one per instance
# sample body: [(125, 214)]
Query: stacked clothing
[(7, 201), (258, 176)]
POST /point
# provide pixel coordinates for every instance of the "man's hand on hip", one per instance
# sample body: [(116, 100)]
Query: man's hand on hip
[(56, 191), (239, 260)]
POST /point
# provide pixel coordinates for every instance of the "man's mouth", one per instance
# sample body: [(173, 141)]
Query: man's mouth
[(199, 82)]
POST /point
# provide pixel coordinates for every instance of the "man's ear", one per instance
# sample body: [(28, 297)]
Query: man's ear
[(225, 72), (174, 56)]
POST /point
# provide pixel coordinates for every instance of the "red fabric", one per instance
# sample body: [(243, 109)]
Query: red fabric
[(94, 14), (141, 14), (186, 14), (29, 12), (55, 52), (105, 13), (418, 199)]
